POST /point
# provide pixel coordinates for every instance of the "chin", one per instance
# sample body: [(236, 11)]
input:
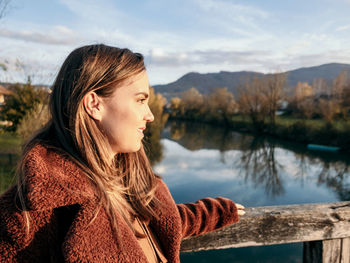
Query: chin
[(130, 150), (137, 149)]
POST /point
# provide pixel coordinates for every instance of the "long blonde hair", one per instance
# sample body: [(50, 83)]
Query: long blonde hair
[(126, 186)]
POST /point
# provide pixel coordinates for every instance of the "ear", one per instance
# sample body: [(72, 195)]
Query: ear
[(93, 105)]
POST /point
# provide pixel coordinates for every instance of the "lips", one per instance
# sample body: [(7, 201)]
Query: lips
[(141, 129)]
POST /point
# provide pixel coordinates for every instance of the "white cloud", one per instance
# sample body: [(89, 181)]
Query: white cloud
[(243, 20), (204, 164), (91, 10), (157, 57), (235, 11), (57, 35), (343, 28)]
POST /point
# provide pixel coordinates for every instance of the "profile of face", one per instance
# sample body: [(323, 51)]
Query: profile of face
[(122, 117)]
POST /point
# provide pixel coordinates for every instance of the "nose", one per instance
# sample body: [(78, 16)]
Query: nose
[(149, 117)]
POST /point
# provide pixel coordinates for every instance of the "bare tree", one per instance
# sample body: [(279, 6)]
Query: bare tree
[(4, 5), (319, 87), (304, 99), (221, 103), (252, 101), (345, 104), (340, 93), (175, 106), (259, 98), (273, 93), (328, 109), (339, 84), (192, 100), (332, 99)]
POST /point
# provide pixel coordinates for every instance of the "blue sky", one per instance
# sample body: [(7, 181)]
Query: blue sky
[(176, 37)]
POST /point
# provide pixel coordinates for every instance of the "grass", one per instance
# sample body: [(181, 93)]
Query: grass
[(7, 177), (339, 125), (290, 120), (286, 121), (9, 143)]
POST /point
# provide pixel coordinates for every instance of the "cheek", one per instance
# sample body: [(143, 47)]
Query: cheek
[(119, 125)]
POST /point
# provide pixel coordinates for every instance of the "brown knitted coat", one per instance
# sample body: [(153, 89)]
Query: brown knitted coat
[(61, 203)]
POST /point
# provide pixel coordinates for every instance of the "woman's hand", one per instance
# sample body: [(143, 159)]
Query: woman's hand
[(240, 208)]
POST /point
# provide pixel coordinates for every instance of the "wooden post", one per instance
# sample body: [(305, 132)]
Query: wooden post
[(345, 255), (312, 252), (327, 251)]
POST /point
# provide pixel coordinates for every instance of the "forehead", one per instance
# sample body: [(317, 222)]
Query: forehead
[(137, 83)]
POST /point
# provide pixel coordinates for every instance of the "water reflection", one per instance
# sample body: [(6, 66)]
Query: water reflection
[(196, 136), (334, 175), (333, 170), (261, 167), (266, 162)]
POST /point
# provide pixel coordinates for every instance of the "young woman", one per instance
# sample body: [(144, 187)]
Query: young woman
[(86, 191)]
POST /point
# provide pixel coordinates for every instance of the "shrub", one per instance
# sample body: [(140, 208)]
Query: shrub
[(33, 121)]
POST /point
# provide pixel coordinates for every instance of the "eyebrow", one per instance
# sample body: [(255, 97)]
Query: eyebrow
[(142, 93)]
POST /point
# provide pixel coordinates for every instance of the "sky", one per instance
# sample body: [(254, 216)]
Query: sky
[(176, 36)]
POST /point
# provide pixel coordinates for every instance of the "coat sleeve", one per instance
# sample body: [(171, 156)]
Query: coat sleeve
[(38, 244), (207, 215)]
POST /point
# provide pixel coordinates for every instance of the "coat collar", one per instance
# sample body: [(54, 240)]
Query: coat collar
[(53, 180)]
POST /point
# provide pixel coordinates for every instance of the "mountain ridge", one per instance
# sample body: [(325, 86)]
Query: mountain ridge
[(206, 82)]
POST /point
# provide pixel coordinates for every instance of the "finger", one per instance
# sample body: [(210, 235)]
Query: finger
[(241, 212), (239, 206)]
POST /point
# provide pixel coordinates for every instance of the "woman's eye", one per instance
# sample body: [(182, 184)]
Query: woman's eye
[(142, 100)]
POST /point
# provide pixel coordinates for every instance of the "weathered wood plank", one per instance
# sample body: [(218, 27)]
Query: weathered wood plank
[(278, 225), (331, 250), (345, 254)]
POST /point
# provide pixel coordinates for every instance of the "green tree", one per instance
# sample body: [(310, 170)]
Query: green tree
[(22, 100)]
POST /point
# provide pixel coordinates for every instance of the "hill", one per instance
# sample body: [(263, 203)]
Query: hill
[(205, 83)]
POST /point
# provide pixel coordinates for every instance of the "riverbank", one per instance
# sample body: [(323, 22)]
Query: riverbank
[(315, 131)]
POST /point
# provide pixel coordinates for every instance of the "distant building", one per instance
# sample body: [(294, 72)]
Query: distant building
[(3, 93)]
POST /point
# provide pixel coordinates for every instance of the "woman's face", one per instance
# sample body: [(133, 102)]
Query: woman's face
[(125, 114)]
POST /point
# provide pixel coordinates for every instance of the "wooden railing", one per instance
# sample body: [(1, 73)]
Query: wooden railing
[(323, 228)]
